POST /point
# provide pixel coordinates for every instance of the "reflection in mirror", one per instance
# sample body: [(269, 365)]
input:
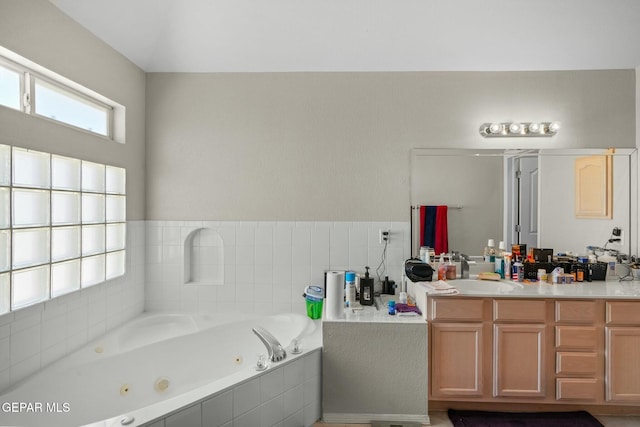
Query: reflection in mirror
[(535, 206)]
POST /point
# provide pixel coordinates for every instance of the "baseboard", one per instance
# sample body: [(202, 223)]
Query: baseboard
[(392, 419)]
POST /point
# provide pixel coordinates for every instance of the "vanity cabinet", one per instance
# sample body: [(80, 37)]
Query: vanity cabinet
[(623, 351), (483, 348), (458, 335), (579, 355), (542, 351), (519, 348), (534, 352)]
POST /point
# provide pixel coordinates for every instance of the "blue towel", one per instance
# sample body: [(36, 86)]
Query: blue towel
[(429, 226)]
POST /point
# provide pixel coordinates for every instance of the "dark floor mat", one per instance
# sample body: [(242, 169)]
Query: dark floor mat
[(522, 419)]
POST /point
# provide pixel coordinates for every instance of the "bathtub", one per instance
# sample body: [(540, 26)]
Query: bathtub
[(153, 367)]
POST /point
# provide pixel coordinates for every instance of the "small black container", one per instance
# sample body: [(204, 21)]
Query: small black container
[(366, 289)]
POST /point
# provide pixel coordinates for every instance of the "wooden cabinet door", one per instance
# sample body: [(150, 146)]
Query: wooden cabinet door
[(519, 360), (623, 366), (456, 359)]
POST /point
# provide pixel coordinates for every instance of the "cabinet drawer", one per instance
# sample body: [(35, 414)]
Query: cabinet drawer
[(623, 313), (576, 337), (457, 309), (573, 363), (576, 311), (519, 310), (576, 389)]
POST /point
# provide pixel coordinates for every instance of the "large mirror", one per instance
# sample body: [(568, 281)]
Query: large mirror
[(524, 196)]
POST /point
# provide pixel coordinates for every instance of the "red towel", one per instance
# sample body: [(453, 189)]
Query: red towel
[(442, 234)]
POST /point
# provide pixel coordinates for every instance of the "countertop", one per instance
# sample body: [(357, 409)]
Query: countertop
[(610, 289), (375, 313)]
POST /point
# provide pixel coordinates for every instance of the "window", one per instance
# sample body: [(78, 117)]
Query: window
[(57, 103), (62, 225), (33, 89), (10, 83)]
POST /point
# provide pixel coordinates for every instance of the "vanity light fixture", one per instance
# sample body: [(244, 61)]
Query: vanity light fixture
[(516, 129)]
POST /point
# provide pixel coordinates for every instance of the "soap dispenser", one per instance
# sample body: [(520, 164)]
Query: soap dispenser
[(366, 289)]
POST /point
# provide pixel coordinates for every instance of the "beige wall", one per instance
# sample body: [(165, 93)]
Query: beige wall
[(336, 146), (38, 31)]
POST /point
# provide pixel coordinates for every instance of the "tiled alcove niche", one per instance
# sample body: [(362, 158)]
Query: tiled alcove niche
[(203, 257)]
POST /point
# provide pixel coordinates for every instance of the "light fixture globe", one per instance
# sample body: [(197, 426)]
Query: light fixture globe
[(515, 128), (495, 128), (535, 127), (554, 127)]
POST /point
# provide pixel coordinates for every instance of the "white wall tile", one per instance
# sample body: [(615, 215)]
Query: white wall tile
[(5, 353), (264, 235), (282, 246), (293, 401), (263, 274), (301, 246), (248, 419), (171, 235), (218, 410), (54, 330), (189, 417), (293, 374), (295, 420), (25, 343), (246, 397), (312, 413), (271, 384), (245, 235), (282, 274), (267, 265), (24, 368), (271, 412)]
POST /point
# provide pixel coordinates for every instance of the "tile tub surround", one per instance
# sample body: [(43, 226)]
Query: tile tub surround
[(286, 395), (33, 337), (266, 265)]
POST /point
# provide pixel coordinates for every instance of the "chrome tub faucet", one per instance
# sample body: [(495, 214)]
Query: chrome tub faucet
[(274, 348)]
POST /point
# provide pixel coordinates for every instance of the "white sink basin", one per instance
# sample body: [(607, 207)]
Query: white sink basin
[(474, 286)]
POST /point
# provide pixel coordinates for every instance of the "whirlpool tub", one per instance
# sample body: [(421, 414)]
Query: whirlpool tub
[(177, 369)]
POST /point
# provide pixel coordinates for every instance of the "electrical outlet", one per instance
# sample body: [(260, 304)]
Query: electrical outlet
[(383, 236), (617, 236)]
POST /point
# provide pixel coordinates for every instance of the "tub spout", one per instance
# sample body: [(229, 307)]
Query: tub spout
[(275, 349)]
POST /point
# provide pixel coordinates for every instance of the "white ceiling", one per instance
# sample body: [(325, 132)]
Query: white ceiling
[(366, 35)]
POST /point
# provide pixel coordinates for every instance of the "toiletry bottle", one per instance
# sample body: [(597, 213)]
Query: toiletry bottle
[(451, 269), (579, 272), (518, 271), (507, 265), (442, 268), (350, 288), (366, 289), (490, 251), (392, 307), (499, 260), (424, 254)]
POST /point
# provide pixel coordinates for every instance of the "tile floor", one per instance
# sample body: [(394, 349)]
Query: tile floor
[(440, 419)]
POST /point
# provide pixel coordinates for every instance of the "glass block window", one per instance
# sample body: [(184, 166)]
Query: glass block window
[(62, 225)]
